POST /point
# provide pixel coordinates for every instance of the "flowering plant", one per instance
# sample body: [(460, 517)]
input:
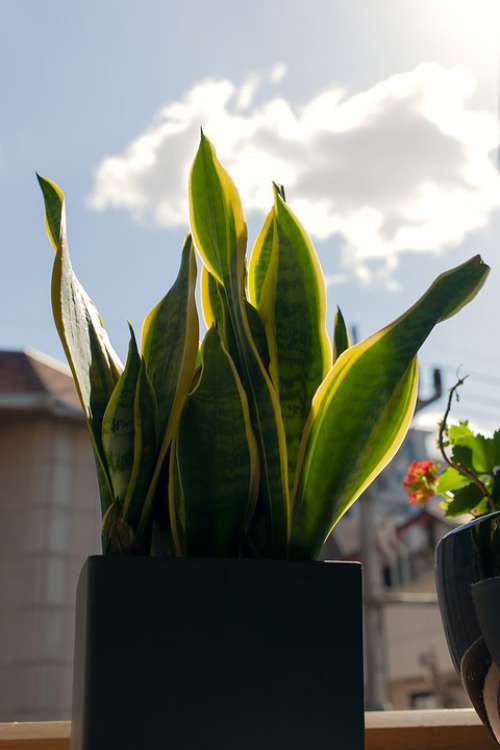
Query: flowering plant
[(421, 481), (471, 482)]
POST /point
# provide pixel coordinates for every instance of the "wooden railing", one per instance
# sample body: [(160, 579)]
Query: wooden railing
[(385, 730)]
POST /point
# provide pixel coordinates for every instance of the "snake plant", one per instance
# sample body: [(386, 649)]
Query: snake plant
[(258, 441)]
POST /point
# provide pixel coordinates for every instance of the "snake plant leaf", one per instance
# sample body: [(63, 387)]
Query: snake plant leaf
[(341, 339), (219, 232), (95, 366), (130, 442), (214, 306), (118, 424), (176, 503), (170, 339), (170, 346), (293, 309), (216, 213), (258, 334), (146, 446), (362, 411), (259, 260), (211, 302), (216, 457), (261, 254)]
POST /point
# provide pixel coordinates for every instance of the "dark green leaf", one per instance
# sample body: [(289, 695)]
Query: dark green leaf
[(146, 448), (170, 345), (462, 455), (464, 500), (118, 424), (341, 340), (216, 458)]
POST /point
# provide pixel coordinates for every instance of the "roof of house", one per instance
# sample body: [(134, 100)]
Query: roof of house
[(33, 381)]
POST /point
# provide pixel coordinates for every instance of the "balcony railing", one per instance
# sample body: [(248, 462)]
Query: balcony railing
[(458, 729)]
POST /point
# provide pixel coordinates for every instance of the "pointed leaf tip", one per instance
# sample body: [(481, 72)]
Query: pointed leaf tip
[(53, 198), (132, 333), (279, 192)]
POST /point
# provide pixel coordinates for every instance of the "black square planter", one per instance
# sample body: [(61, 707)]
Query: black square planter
[(199, 654)]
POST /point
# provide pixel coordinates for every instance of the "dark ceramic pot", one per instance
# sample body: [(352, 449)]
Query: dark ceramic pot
[(218, 654), (468, 586)]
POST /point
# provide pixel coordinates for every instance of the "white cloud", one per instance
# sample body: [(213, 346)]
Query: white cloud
[(278, 72), (402, 166)]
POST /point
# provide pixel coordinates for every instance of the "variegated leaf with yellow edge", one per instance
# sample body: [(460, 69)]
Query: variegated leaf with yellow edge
[(293, 308), (170, 346), (260, 259), (219, 231), (341, 338), (362, 412), (118, 424), (214, 466), (94, 364), (146, 449), (214, 306), (130, 440)]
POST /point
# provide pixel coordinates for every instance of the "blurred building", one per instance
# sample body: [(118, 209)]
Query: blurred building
[(417, 670), (49, 520)]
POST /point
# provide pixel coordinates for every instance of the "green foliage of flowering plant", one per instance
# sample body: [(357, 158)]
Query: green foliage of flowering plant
[(256, 442), (470, 483)]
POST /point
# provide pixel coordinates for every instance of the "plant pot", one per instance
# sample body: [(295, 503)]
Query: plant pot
[(214, 653), (467, 566)]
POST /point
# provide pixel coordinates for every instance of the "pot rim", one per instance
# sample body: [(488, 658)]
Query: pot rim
[(226, 560), (469, 525)]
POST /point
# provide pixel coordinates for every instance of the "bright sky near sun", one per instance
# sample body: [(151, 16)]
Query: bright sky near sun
[(380, 117)]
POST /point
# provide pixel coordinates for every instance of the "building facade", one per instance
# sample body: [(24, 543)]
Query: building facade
[(407, 661), (49, 520)]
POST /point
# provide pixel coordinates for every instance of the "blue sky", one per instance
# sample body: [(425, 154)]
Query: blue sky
[(85, 81)]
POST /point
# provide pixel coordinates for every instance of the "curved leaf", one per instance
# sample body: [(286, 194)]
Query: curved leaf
[(216, 457), (451, 479), (93, 362), (341, 340), (118, 424), (258, 334), (362, 411), (293, 309), (211, 303), (176, 503), (214, 305), (170, 346), (480, 447), (216, 213), (146, 446), (220, 235), (464, 500), (259, 260)]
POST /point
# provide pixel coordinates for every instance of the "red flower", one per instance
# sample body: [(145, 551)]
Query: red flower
[(421, 481)]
